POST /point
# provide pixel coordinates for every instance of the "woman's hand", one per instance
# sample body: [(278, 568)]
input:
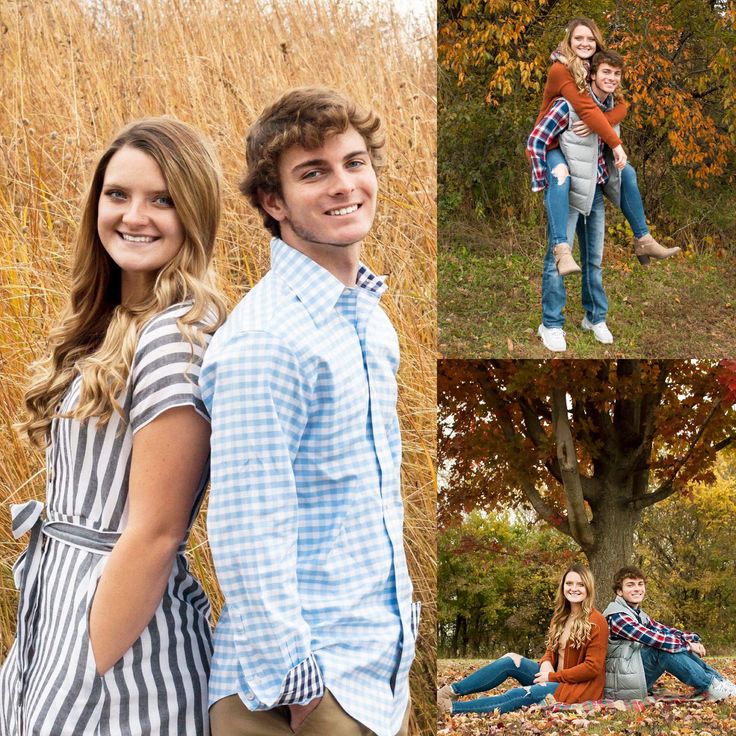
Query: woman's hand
[(619, 157), (581, 129), (543, 675)]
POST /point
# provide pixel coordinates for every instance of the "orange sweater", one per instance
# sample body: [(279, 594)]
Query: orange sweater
[(584, 675), (560, 83)]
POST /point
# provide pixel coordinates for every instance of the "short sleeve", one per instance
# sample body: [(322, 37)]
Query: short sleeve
[(165, 371)]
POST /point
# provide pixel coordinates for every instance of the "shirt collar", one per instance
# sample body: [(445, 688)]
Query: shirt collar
[(314, 286), (606, 103), (620, 599)]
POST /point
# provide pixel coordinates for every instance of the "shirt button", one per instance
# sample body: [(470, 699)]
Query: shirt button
[(250, 696)]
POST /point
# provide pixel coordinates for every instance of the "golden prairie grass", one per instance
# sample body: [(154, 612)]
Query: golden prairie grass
[(73, 72)]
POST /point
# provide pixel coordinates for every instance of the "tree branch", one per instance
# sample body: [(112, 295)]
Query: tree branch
[(567, 458), (544, 510), (667, 488)]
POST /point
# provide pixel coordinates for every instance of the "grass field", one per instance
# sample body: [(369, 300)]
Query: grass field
[(490, 296), (696, 718), (73, 72)]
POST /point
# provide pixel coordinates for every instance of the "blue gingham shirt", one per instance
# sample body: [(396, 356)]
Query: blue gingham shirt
[(305, 516)]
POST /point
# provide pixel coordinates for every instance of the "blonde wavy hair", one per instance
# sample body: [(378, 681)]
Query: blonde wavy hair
[(578, 69), (581, 625), (97, 335)]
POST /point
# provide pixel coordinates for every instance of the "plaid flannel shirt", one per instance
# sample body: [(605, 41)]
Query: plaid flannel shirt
[(650, 634), (549, 127), (305, 516)]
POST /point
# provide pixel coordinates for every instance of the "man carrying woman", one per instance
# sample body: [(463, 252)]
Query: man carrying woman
[(570, 113)]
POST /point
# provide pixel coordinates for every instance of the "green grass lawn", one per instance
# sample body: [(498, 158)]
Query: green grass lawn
[(680, 719), (490, 301)]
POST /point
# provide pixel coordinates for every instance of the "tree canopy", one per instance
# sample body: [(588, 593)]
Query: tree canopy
[(587, 444)]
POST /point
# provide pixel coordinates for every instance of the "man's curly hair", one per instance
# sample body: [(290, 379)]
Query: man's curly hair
[(305, 116)]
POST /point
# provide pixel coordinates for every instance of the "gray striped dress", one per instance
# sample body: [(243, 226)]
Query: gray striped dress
[(48, 683)]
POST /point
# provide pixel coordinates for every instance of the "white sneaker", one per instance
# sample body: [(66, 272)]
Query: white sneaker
[(718, 690), (601, 331), (730, 687), (553, 338)]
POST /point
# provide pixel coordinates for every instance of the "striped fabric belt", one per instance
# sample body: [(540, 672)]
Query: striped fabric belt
[(28, 517)]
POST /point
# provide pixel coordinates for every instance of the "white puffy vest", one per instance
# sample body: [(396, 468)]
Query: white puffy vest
[(581, 154)]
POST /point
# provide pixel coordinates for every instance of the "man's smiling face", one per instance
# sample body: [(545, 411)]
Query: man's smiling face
[(328, 194), (633, 591), (605, 80)]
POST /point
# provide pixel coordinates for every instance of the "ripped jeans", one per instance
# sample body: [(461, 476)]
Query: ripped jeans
[(494, 674), (557, 195)]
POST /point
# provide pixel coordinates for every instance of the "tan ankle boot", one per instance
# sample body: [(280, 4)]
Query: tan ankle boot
[(648, 246), (564, 261), (445, 696)]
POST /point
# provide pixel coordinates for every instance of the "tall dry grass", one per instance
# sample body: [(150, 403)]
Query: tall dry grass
[(74, 71)]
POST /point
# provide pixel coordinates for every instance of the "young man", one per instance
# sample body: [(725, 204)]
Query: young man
[(640, 649), (305, 517), (589, 164)]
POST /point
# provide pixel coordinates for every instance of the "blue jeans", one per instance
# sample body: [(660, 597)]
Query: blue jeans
[(494, 674), (631, 204), (590, 231), (685, 666), (556, 200)]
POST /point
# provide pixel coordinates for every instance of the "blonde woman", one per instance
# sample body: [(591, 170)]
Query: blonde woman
[(572, 669), (113, 632)]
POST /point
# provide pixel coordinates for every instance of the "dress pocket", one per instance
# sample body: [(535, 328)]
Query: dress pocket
[(93, 580)]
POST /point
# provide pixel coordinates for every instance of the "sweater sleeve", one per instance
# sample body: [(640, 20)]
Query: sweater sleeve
[(617, 113), (549, 656), (585, 106), (595, 656)]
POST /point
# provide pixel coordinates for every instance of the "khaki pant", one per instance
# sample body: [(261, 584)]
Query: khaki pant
[(230, 717)]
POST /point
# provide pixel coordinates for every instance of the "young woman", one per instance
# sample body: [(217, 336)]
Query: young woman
[(113, 632), (568, 78), (572, 669)]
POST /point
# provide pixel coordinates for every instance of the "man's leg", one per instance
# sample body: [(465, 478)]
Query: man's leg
[(230, 717), (681, 665), (553, 288), (591, 232), (697, 660)]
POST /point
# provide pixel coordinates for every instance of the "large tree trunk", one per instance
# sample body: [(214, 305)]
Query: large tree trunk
[(614, 522)]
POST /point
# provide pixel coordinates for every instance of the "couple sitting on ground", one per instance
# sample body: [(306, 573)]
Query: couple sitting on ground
[(619, 654)]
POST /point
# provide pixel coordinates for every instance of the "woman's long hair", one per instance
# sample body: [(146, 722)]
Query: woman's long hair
[(577, 67), (581, 625), (97, 336)]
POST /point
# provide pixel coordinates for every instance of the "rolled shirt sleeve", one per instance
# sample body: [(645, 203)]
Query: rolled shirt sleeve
[(258, 399)]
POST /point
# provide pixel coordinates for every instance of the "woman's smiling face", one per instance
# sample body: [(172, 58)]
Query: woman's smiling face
[(582, 42), (574, 588), (137, 221)]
